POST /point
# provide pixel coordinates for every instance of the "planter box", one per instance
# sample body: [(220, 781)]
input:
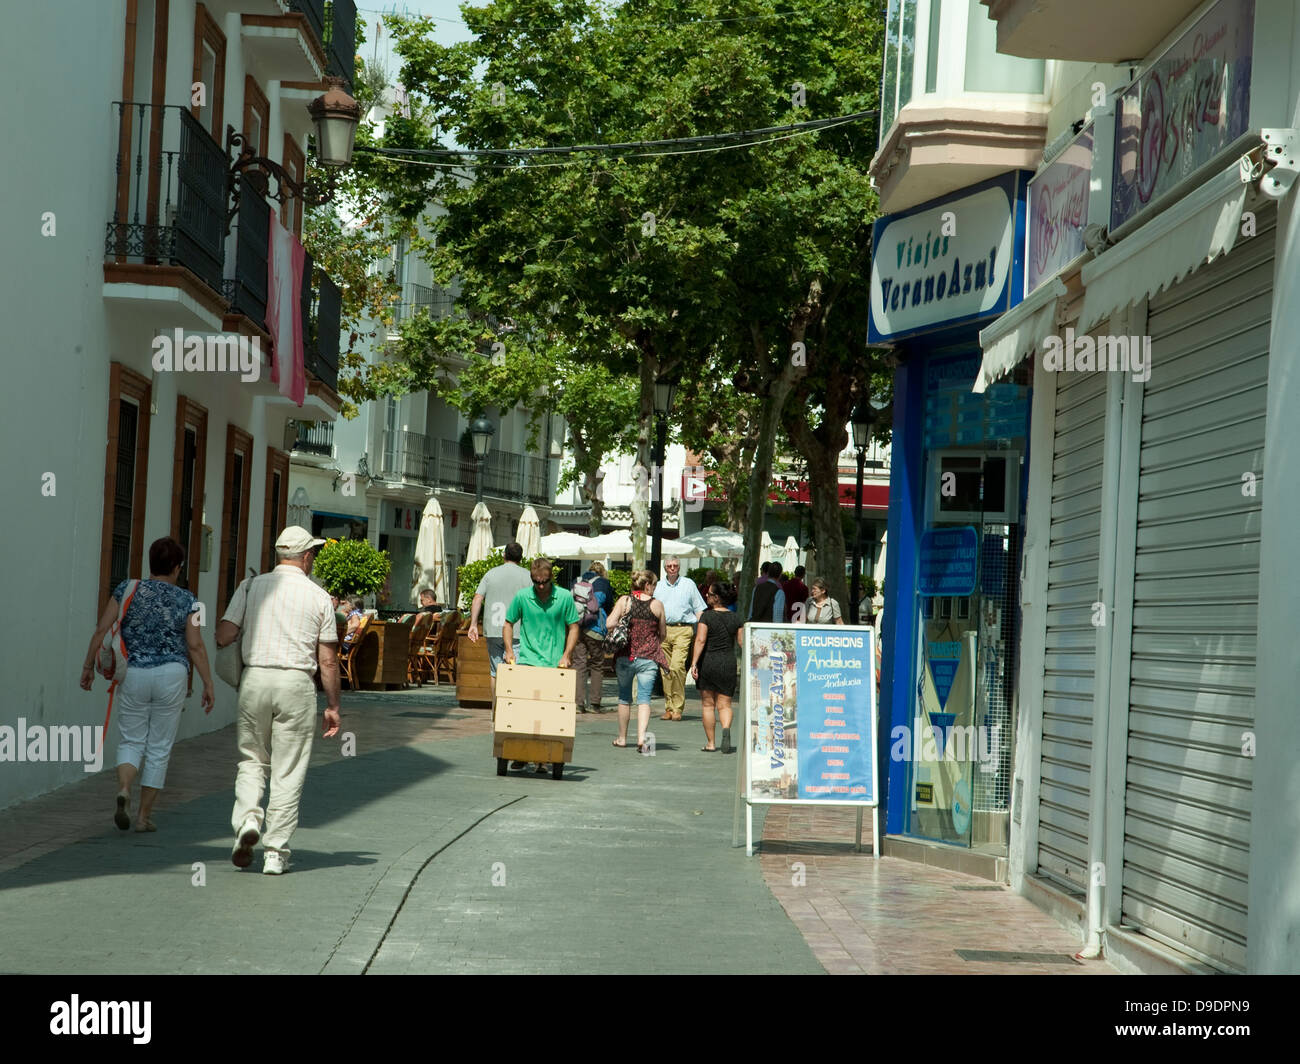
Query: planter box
[(473, 672), (383, 655)]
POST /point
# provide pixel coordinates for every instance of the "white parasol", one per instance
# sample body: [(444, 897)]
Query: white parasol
[(480, 540), (430, 569), (713, 542), (528, 533), (791, 553)]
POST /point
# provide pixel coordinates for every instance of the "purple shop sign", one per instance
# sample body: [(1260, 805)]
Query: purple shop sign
[(1058, 209), (1188, 106)]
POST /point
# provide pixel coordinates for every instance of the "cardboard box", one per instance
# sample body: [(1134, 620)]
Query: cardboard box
[(522, 728), (532, 684)]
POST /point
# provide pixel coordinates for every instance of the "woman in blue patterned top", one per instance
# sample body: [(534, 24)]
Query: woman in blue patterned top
[(160, 644)]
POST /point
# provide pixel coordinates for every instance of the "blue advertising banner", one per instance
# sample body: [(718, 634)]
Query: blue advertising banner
[(812, 695), (948, 561)]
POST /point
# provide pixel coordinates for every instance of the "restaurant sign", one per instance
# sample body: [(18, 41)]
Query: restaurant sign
[(949, 261), (1058, 209), (1185, 109)]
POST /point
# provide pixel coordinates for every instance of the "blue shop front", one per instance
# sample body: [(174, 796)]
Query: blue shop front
[(941, 271)]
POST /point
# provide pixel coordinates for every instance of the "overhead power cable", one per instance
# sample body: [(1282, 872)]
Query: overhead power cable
[(629, 149)]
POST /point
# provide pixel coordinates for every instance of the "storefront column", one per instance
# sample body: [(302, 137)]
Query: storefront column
[(898, 631), (1273, 922)]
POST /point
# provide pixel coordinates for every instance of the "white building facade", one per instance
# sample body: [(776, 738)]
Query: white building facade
[(120, 233)]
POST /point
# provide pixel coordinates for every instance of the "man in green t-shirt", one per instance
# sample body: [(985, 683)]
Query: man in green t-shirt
[(550, 630)]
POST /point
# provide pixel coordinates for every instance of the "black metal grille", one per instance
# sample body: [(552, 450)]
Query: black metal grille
[(341, 47), (189, 457), (236, 520), (128, 418), (252, 249), (314, 12), (170, 206), (329, 309)]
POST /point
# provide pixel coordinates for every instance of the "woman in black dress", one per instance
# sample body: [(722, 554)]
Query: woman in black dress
[(715, 660)]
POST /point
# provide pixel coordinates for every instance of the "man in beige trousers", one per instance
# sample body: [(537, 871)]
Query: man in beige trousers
[(288, 631)]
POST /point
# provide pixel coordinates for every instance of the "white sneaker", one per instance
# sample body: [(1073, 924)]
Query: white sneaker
[(242, 855), (274, 863)]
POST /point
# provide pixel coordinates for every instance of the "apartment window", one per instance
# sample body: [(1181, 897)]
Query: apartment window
[(277, 504), (188, 475), (989, 71), (210, 69), (295, 165), (234, 513), (257, 115), (900, 47), (126, 469)]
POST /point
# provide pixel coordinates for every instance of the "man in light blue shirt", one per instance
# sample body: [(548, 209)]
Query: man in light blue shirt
[(683, 607)]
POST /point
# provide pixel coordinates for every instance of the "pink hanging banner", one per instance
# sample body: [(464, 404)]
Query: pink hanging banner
[(284, 266)]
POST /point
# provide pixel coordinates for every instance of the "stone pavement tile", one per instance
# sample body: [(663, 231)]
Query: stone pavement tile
[(888, 915)]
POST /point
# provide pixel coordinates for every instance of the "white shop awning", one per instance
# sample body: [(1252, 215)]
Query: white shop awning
[(1195, 231), (1018, 332)]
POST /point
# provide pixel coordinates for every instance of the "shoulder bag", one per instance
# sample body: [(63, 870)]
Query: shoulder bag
[(112, 659), (620, 636)]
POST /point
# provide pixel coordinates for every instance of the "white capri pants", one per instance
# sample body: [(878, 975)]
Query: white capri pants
[(148, 707)]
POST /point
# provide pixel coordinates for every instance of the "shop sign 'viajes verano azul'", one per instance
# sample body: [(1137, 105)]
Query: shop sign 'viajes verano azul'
[(953, 260)]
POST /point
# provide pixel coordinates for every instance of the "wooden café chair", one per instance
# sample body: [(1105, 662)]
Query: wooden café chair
[(419, 634), (348, 657), (444, 654)]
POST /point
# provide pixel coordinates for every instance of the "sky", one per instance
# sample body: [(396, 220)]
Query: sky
[(448, 27)]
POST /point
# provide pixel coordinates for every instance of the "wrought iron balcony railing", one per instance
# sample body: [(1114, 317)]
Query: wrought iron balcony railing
[(169, 199), (317, 438), (340, 45), (314, 12), (439, 463), (437, 302), (322, 348)]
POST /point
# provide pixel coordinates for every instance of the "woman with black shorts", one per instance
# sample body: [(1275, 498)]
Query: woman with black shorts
[(715, 660)]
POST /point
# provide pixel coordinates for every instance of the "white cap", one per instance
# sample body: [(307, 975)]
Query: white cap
[(296, 540)]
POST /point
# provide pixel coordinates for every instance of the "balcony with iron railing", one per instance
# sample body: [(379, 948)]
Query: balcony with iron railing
[(169, 198), (308, 437), (439, 463), (418, 298)]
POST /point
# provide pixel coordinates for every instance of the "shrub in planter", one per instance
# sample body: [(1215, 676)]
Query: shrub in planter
[(469, 575), (621, 581), (351, 567)]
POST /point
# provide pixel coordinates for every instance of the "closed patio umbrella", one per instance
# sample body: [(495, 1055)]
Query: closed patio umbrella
[(528, 533), (480, 540), (430, 569), (791, 553)]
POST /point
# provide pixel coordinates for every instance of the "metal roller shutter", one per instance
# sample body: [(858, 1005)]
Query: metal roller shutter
[(1069, 664), (1195, 602)]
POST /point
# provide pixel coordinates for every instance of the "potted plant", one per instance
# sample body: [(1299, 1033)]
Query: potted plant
[(351, 567)]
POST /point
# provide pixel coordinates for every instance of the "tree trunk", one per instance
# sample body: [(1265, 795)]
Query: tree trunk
[(760, 476), (770, 422), (644, 441), (824, 491)]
